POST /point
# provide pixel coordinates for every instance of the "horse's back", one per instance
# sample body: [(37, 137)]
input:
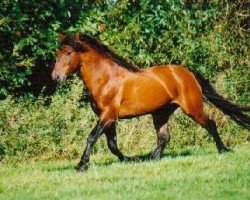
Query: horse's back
[(153, 88), (177, 78)]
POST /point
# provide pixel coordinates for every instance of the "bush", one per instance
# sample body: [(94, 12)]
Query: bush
[(57, 127), (209, 37), (28, 40), (202, 36)]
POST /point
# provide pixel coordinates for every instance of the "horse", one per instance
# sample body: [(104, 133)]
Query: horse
[(119, 90)]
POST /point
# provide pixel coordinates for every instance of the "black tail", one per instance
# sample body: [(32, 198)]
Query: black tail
[(233, 111)]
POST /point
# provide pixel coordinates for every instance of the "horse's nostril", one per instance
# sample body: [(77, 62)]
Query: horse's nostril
[(54, 76), (58, 77)]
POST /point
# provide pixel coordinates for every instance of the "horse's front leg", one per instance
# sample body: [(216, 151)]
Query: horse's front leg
[(107, 117), (91, 140)]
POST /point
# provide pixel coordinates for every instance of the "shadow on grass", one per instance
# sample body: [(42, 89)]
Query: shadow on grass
[(147, 157), (69, 167), (136, 159)]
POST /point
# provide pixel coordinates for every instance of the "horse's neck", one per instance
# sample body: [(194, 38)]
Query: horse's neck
[(96, 71)]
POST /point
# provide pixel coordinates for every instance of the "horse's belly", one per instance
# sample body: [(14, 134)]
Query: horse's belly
[(143, 97)]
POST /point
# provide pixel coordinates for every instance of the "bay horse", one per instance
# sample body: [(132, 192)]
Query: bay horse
[(121, 90)]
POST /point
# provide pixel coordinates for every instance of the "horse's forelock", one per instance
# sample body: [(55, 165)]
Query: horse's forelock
[(72, 42)]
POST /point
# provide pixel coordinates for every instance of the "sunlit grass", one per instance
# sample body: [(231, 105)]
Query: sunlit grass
[(195, 176)]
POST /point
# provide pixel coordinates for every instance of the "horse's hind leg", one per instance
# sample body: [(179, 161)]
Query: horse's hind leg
[(110, 133), (197, 114), (212, 130), (111, 136), (160, 120)]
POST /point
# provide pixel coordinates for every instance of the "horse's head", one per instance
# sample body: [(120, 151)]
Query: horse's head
[(67, 57)]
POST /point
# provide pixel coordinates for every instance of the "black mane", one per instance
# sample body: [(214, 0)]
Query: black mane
[(70, 40), (100, 48)]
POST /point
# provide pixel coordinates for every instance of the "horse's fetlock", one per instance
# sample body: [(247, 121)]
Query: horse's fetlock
[(165, 137)]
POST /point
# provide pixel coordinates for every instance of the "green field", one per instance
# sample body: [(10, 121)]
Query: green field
[(196, 176)]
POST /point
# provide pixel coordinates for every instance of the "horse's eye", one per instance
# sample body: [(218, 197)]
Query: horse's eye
[(68, 53)]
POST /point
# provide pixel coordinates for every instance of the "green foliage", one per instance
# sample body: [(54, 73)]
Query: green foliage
[(202, 36), (209, 37), (57, 127), (38, 127), (28, 32)]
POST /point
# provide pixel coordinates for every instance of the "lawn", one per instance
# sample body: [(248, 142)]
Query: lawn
[(196, 176)]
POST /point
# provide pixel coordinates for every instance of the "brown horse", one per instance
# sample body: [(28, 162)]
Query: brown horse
[(120, 90)]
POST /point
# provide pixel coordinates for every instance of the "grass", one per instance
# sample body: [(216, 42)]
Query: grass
[(196, 176)]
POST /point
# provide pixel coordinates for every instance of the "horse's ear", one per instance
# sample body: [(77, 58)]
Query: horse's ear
[(77, 36), (61, 37)]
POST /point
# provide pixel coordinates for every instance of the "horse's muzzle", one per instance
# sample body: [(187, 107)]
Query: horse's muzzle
[(59, 77)]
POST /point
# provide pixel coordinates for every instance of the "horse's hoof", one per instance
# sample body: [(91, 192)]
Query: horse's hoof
[(225, 150), (131, 159), (81, 168), (154, 157)]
